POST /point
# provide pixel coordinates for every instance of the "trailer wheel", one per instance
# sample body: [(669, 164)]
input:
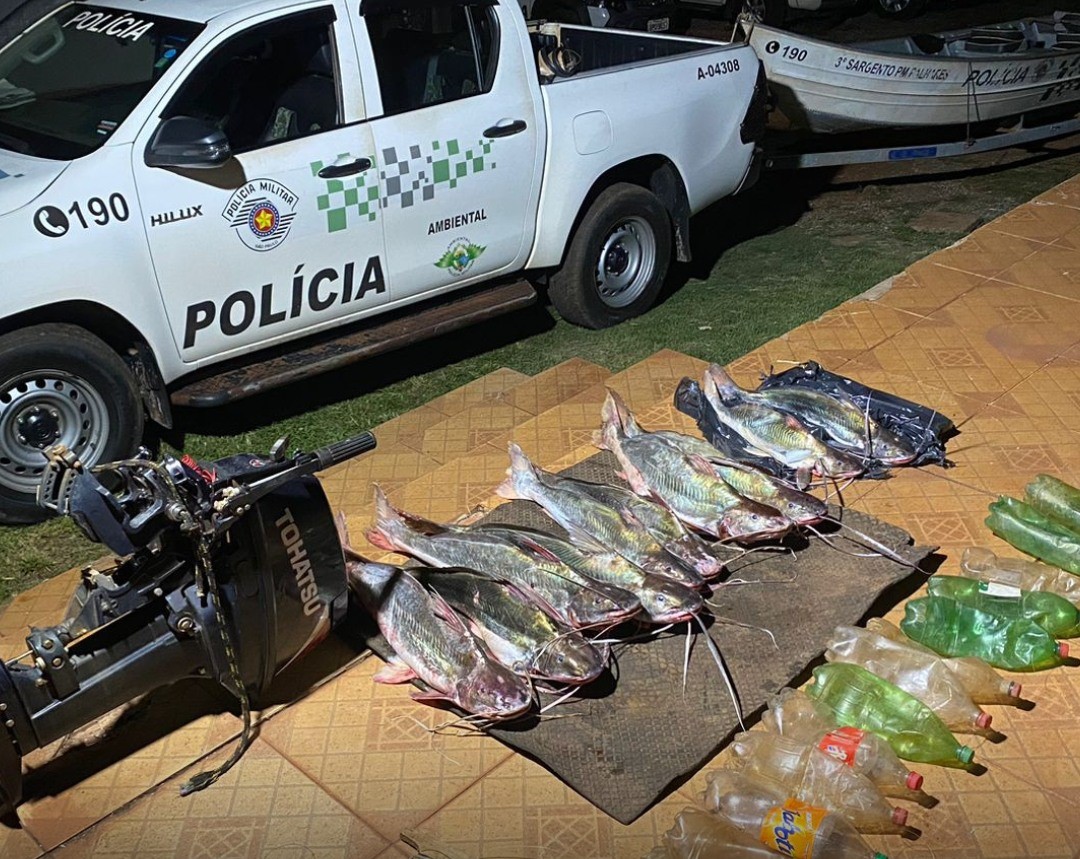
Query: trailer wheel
[(771, 13), (899, 9), (617, 259), (59, 384)]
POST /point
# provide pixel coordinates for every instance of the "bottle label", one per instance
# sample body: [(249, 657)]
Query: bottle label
[(842, 744), (999, 589), (790, 828)]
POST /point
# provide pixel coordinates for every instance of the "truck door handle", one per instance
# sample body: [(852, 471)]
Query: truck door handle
[(506, 127), (336, 171)]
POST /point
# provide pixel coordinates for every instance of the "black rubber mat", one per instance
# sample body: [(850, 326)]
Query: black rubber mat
[(637, 734)]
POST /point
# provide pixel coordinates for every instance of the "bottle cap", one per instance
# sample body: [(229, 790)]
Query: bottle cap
[(1063, 649), (899, 816), (1015, 689), (983, 720), (965, 754), (914, 780)]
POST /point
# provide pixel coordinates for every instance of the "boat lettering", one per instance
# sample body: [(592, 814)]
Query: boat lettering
[(713, 70), (789, 52), (1009, 76), (877, 69), (1058, 90)]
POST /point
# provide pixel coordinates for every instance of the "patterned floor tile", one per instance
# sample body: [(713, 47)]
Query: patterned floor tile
[(407, 430), (265, 808), (350, 489), (493, 389), (553, 434), (1065, 194), (1055, 269), (457, 488), (42, 605), (1037, 220), (470, 428), (646, 382), (70, 786), (521, 810), (925, 286), (552, 387), (986, 252), (17, 844), (372, 748)]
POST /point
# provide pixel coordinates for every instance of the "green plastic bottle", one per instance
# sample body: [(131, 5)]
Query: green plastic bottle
[(1055, 614), (1056, 499), (953, 628), (863, 700)]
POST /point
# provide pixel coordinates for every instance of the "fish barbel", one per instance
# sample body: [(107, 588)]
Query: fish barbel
[(778, 435), (590, 523), (432, 644), (845, 424), (570, 596), (685, 483), (515, 629), (664, 600)]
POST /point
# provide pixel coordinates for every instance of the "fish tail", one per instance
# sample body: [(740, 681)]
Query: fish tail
[(389, 527), (723, 382), (615, 411), (520, 476)]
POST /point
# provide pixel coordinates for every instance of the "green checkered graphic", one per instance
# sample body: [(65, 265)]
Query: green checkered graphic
[(450, 165), (345, 197)]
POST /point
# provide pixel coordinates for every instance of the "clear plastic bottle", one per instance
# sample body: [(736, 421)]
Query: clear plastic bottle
[(814, 777), (983, 683), (923, 675), (1055, 614), (783, 823), (696, 834), (1009, 576), (793, 713), (865, 701), (954, 628)]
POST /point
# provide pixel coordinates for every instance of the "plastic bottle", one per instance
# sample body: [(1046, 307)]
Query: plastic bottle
[(923, 675), (783, 823), (1008, 576), (952, 628), (816, 778), (865, 701), (696, 834), (1056, 499), (1055, 614), (795, 714), (983, 683)]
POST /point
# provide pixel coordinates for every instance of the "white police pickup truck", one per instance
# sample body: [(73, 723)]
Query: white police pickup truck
[(193, 193)]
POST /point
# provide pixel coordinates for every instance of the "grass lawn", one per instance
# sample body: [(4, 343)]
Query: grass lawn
[(778, 256)]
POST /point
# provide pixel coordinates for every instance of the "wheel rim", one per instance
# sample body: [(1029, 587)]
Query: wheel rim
[(627, 262), (755, 10), (43, 408), (894, 5)]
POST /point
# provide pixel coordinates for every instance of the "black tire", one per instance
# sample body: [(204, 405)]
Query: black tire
[(620, 227), (899, 9), (18, 15), (59, 383), (771, 13)]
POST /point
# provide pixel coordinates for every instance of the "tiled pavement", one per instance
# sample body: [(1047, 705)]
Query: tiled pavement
[(988, 331)]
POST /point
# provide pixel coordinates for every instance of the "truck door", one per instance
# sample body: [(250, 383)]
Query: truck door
[(284, 237), (457, 139)]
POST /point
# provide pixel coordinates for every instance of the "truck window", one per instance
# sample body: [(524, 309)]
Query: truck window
[(274, 82), (432, 54), (68, 83)]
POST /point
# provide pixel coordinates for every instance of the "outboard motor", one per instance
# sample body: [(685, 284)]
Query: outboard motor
[(230, 571)]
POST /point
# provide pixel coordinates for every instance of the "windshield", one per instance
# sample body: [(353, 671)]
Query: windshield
[(69, 82)]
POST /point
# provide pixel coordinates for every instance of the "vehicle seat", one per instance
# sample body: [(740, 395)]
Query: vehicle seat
[(410, 53), (309, 104)]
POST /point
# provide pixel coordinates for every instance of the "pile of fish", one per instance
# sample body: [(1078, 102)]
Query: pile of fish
[(808, 424), (486, 613)]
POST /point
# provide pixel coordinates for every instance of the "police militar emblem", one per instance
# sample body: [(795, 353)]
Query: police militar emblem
[(261, 213), (459, 256)]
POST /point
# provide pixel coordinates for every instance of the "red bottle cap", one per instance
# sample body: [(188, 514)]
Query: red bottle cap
[(914, 780), (1015, 689), (983, 720), (1063, 649), (899, 816)]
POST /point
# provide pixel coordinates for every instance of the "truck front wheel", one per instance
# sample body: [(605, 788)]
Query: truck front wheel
[(617, 260), (59, 384)]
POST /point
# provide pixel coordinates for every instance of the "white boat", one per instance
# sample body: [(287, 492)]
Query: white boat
[(966, 76)]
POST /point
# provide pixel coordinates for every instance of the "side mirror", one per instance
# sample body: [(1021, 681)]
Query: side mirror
[(187, 142)]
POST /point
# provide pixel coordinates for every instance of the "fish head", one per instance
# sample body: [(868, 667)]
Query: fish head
[(697, 556), (668, 566), (494, 691), (666, 601), (601, 603), (888, 448), (751, 521), (839, 465), (569, 659), (801, 508)]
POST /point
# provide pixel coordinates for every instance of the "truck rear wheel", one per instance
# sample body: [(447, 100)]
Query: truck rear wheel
[(901, 9), (59, 384), (617, 260)]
